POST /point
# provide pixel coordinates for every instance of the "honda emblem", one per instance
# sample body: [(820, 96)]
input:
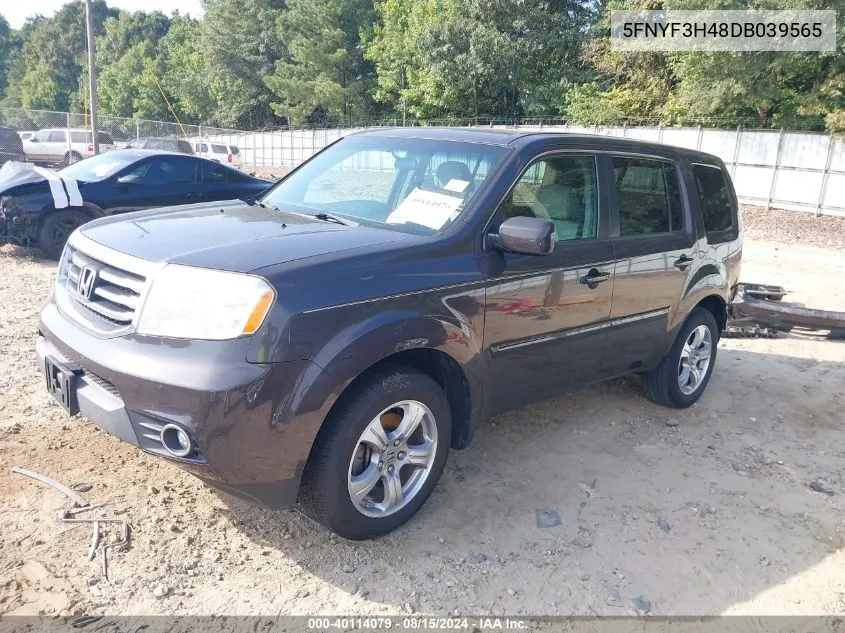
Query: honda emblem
[(86, 282)]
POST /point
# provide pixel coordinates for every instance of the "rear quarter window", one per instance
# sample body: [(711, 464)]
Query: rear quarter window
[(718, 208), (219, 149)]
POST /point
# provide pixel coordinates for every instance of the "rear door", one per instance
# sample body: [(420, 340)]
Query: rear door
[(653, 241), (546, 316), (56, 146)]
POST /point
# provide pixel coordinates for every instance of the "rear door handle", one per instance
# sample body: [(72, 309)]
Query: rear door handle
[(683, 262), (593, 278)]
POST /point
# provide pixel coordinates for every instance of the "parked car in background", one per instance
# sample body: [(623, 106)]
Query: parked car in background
[(167, 144), (116, 182), (330, 343), (64, 146), (26, 134), (11, 146), (211, 150)]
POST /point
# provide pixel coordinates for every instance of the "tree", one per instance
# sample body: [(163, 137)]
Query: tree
[(49, 65), (471, 58), (185, 75), (240, 45), (324, 73)]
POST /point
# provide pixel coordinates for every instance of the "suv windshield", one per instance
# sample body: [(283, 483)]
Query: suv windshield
[(98, 167), (410, 184)]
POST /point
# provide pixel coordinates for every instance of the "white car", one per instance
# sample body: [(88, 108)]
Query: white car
[(220, 152), (52, 145)]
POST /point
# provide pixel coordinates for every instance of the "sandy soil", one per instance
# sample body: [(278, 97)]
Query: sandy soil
[(703, 511)]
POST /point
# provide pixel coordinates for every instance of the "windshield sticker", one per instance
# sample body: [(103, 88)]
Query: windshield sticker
[(425, 208), (458, 186)]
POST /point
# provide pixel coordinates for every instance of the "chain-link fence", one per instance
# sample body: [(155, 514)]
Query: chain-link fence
[(775, 168), (59, 136)]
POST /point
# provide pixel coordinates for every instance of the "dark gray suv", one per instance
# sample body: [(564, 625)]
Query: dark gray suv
[(328, 343)]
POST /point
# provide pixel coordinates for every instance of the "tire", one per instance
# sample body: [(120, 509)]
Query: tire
[(669, 385), (56, 229), (72, 157), (341, 457)]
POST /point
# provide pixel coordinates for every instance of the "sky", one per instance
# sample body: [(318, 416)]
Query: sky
[(16, 11)]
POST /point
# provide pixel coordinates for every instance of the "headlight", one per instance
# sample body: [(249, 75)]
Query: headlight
[(187, 302)]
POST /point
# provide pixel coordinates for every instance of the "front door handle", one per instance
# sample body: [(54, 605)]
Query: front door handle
[(593, 278), (683, 262)]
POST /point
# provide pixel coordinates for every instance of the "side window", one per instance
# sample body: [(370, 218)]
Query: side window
[(169, 170), (78, 137), (716, 206), (214, 172), (43, 136), (202, 147), (644, 196), (58, 136), (562, 189)]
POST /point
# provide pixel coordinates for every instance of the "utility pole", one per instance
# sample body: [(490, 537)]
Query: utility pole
[(92, 73)]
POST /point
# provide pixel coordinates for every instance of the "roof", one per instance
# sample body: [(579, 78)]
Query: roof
[(505, 137)]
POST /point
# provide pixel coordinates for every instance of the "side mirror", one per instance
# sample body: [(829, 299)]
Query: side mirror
[(129, 179), (528, 236)]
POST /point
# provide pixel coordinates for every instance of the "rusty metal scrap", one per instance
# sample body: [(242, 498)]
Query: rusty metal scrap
[(762, 307)]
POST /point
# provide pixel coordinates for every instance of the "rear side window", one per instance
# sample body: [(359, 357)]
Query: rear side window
[(79, 137), (648, 196), (201, 147), (219, 149), (716, 203), (214, 172)]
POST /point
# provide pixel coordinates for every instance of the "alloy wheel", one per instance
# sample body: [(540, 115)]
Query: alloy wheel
[(392, 459), (695, 359)]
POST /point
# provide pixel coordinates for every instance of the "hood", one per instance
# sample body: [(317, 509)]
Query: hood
[(228, 236)]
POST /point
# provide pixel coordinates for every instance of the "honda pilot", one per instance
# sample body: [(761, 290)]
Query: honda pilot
[(327, 343)]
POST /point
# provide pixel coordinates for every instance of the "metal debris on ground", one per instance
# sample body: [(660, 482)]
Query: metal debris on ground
[(759, 310), (547, 518), (818, 486), (78, 501)]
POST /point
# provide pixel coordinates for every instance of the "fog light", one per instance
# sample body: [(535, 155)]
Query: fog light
[(176, 440)]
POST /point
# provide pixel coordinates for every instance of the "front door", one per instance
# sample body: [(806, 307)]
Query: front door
[(654, 246), (159, 181), (544, 315)]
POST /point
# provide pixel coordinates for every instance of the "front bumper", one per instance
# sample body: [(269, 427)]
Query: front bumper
[(237, 413)]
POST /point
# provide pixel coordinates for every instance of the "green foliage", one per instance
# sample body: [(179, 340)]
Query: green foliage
[(324, 73), (254, 63)]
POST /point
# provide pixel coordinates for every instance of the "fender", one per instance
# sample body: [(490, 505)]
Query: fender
[(378, 334)]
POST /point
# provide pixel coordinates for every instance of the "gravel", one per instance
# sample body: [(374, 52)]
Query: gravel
[(794, 227)]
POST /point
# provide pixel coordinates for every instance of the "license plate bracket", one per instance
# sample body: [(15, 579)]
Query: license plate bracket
[(61, 383)]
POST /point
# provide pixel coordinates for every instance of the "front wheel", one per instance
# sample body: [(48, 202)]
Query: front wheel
[(683, 374), (57, 228), (379, 454)]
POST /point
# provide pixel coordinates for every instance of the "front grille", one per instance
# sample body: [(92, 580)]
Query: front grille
[(105, 384), (114, 294)]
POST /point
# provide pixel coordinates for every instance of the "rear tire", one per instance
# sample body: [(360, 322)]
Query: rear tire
[(72, 157), (366, 476), (56, 229), (682, 377)]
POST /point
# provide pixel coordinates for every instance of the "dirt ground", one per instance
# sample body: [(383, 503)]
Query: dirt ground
[(703, 511)]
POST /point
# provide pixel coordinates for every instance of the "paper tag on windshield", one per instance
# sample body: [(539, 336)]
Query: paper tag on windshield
[(456, 185), (426, 208)]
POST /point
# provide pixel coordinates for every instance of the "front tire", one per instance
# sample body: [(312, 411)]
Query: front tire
[(57, 228), (379, 454), (684, 372)]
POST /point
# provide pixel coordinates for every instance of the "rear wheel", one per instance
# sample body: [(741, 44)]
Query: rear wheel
[(683, 374), (57, 228), (379, 454), (72, 157)]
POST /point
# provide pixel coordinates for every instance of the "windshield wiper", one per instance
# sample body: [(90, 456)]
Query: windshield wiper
[(328, 217)]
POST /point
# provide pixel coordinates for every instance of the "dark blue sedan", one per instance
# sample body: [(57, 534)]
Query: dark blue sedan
[(42, 208)]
